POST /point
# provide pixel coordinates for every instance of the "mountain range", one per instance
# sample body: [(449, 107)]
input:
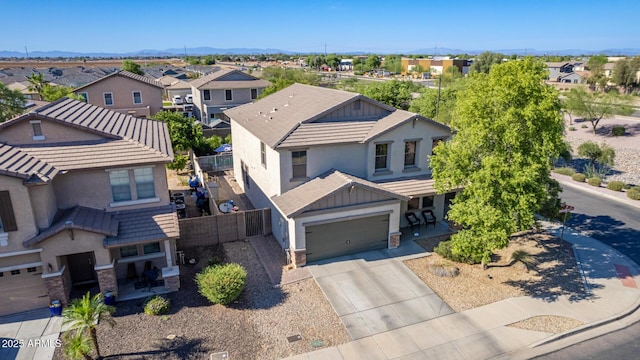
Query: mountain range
[(257, 51)]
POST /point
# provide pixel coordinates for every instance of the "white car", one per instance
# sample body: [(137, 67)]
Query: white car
[(188, 99), (177, 100)]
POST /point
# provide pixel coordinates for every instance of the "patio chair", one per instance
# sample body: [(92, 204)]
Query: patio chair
[(412, 219), (429, 218)]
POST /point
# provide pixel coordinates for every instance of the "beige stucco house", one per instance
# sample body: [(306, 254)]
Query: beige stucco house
[(126, 93), (83, 199), (222, 90), (338, 170)]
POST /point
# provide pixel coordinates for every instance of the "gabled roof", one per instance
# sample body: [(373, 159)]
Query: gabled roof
[(411, 186), (145, 225), (180, 84), (167, 80), (17, 163), (557, 64), (127, 74), (300, 198), (80, 218), (216, 80)]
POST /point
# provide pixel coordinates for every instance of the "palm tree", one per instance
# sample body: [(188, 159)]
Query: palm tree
[(36, 83), (85, 314), (77, 345), (522, 256)]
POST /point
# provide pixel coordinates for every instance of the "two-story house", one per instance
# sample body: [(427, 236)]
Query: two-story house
[(124, 92), (337, 169), (222, 90), (83, 199)]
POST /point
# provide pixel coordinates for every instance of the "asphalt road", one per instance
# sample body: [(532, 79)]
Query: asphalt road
[(618, 226)]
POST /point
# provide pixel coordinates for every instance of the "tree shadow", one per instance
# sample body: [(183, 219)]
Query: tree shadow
[(605, 130), (179, 347)]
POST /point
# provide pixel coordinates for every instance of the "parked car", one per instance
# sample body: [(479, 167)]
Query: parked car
[(177, 100), (188, 99)]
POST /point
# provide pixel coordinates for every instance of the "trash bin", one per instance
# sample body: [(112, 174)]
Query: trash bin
[(55, 308), (109, 298)]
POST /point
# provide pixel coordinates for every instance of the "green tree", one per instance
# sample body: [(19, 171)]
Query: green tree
[(77, 345), (625, 73), (393, 93), (282, 78), (450, 75), (485, 61), (372, 62), (597, 106), (332, 61), (595, 64), (509, 129), (133, 67), (602, 155), (36, 83), (55, 92), (181, 129), (425, 104), (83, 315), (209, 60), (393, 63), (12, 103)]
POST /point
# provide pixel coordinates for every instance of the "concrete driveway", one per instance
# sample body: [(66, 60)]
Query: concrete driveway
[(374, 292)]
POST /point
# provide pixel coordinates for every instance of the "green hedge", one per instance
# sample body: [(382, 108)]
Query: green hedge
[(634, 193), (594, 181), (579, 177), (221, 284), (564, 171), (615, 185), (156, 305)]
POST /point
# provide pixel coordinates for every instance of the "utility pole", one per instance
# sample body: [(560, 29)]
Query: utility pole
[(27, 51), (438, 100)]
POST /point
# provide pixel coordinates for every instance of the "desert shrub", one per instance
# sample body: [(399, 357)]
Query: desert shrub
[(564, 171), (634, 193), (572, 128), (618, 131), (156, 305), (584, 126), (444, 249), (594, 181), (443, 269), (221, 284), (615, 185), (579, 177)]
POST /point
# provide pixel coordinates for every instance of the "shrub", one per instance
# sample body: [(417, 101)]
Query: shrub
[(444, 249), (634, 193), (564, 171), (443, 269), (221, 284), (156, 305), (572, 128), (618, 131), (594, 181), (584, 126), (615, 185), (579, 177)]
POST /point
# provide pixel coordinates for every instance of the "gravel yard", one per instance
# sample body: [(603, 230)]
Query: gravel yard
[(255, 327)]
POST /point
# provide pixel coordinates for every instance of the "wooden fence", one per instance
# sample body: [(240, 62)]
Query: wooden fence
[(216, 229)]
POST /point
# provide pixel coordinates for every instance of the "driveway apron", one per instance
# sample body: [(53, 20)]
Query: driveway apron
[(374, 292)]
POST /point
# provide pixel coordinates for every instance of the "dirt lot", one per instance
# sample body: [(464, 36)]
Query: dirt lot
[(89, 63)]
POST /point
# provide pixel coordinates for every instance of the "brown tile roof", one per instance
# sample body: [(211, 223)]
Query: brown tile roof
[(330, 132), (216, 80), (80, 218), (410, 187), (145, 225), (126, 74), (16, 163), (298, 199), (167, 80), (178, 85)]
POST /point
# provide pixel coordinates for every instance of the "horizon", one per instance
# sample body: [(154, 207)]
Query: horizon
[(359, 26)]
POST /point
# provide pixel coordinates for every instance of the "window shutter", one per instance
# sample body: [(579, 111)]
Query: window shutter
[(6, 212)]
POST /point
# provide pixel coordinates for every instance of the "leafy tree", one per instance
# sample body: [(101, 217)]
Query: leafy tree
[(281, 78), (393, 63), (36, 83), (595, 64), (179, 162), (55, 92), (485, 61), (12, 103), (83, 315), (332, 61), (625, 73), (509, 129), (181, 129), (393, 93), (425, 104), (596, 106), (133, 67), (227, 139), (450, 75), (602, 155), (372, 62), (209, 60)]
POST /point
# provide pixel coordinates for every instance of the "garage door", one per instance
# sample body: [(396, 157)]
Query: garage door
[(22, 291), (346, 237)]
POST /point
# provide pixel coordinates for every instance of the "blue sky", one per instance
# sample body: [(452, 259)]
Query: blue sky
[(306, 26)]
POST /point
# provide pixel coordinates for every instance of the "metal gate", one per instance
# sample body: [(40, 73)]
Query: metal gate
[(253, 222)]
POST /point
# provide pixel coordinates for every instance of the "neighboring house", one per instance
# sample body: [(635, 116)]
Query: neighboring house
[(126, 93), (608, 69), (558, 69), (572, 77), (436, 65), (337, 169), (222, 90), (181, 87), (83, 199), (24, 89), (217, 127)]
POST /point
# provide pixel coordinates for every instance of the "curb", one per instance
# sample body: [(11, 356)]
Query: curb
[(629, 202)]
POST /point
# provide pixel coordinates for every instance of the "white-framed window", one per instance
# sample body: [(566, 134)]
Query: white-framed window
[(145, 186), (382, 157), (228, 95), (137, 97), (299, 164), (206, 94), (263, 155), (128, 251), (254, 94), (36, 126), (151, 248), (120, 188), (85, 96), (410, 153), (108, 99)]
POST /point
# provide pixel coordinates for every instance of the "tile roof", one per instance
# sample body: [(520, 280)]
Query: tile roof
[(330, 132), (17, 163), (167, 80), (410, 187), (216, 80), (180, 84), (296, 200), (145, 225), (80, 218), (127, 74)]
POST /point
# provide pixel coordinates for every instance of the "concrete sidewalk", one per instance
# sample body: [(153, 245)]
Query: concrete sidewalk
[(36, 332), (482, 333)]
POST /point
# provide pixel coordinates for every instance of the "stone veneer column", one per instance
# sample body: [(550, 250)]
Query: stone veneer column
[(107, 278), (394, 240), (58, 286), (298, 257), (171, 276)]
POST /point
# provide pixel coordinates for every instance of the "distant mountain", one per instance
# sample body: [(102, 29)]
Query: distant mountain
[(257, 51)]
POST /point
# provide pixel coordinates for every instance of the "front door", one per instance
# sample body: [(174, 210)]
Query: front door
[(81, 267)]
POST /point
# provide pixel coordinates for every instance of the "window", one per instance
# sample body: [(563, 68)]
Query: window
[(128, 251), (108, 99), (299, 163), (254, 94), (413, 203), (7, 217), (120, 185), (36, 126), (409, 153), (435, 142), (263, 155), (137, 97), (151, 248), (381, 156), (206, 94), (15, 272), (1, 274), (144, 183), (427, 201), (228, 95), (31, 269), (85, 96)]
